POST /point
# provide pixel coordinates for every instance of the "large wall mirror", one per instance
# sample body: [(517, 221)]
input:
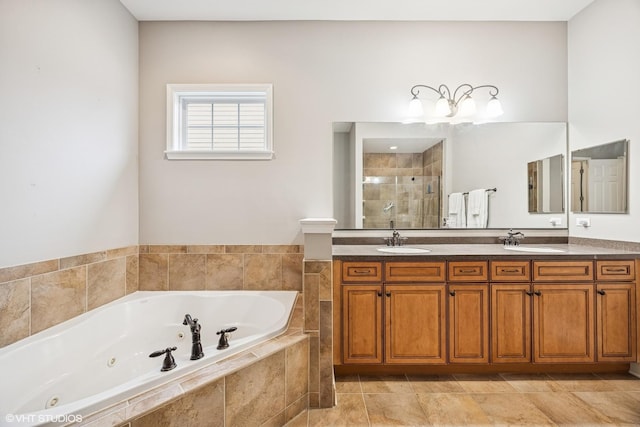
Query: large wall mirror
[(402, 175), (599, 178)]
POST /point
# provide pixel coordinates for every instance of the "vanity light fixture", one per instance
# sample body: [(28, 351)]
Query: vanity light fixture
[(456, 105)]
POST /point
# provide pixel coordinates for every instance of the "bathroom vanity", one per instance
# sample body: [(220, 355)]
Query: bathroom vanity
[(465, 307)]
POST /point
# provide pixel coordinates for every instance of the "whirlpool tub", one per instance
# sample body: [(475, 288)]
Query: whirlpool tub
[(102, 357)]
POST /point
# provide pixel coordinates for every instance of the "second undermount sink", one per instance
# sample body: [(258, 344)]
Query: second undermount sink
[(403, 250), (538, 249)]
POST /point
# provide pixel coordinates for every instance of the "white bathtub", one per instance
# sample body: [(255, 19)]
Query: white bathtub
[(102, 357)]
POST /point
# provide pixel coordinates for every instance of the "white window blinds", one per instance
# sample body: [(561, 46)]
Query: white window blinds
[(220, 123)]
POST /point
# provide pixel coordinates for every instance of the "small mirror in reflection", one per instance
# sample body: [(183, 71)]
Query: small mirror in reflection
[(546, 182), (599, 178)]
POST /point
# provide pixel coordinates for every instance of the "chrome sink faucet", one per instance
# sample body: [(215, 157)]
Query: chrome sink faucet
[(196, 346), (512, 238)]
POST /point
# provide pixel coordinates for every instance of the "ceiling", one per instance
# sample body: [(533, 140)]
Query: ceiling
[(355, 10)]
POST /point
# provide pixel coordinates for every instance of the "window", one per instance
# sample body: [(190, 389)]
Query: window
[(219, 122)]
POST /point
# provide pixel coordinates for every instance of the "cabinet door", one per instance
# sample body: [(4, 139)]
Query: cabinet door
[(511, 323), (563, 323), (415, 324), (362, 323), (469, 323), (615, 322)]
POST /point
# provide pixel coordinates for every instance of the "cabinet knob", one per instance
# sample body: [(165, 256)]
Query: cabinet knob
[(529, 293), (452, 293), (538, 293), (601, 292), (388, 294), (379, 293)]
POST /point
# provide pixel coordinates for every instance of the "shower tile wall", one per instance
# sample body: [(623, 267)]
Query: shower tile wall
[(410, 180), (432, 171)]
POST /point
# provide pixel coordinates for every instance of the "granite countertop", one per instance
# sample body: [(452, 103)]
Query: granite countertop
[(470, 251)]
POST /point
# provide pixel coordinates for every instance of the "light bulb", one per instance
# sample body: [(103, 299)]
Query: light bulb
[(442, 107), (467, 107), (415, 107), (494, 108)]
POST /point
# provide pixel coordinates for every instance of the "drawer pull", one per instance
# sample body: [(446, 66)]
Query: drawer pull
[(468, 270), (601, 292), (452, 293), (367, 271), (615, 270), (511, 270)]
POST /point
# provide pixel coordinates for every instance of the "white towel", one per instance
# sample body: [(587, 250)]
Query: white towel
[(478, 209), (456, 217)]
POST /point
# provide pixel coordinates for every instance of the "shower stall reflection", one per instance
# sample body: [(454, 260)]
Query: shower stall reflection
[(408, 201)]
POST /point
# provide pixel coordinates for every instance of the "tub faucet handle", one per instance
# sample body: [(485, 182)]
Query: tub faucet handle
[(224, 337), (169, 362)]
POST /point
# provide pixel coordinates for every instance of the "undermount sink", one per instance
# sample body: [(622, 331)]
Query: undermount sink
[(538, 249), (403, 250)]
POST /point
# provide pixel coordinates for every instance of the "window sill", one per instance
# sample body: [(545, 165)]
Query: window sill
[(219, 155)]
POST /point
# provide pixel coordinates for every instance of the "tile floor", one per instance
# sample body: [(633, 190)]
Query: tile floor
[(475, 400)]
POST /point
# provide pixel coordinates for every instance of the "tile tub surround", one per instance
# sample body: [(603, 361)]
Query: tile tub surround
[(265, 384), (36, 296), (220, 267), (318, 323)]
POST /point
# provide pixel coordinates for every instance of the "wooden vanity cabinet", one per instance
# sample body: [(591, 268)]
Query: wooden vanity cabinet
[(511, 322), (563, 323), (362, 323), (563, 311), (510, 311), (415, 323), (498, 311), (616, 311), (468, 320), (398, 321)]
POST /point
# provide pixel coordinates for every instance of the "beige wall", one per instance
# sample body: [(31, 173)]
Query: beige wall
[(604, 65), (321, 72), (68, 129)]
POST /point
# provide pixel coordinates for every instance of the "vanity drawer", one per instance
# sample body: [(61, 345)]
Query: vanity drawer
[(562, 271), (510, 271), (615, 270), (356, 271), (468, 271), (415, 272)]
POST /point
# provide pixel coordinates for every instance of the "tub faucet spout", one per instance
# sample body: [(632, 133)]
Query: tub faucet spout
[(196, 346)]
